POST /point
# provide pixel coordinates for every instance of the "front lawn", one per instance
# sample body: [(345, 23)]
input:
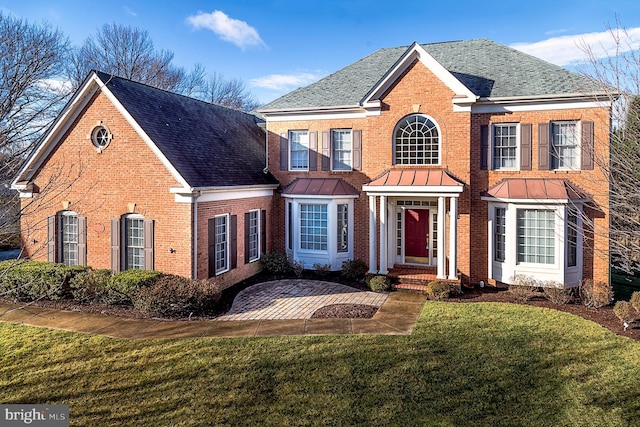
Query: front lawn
[(465, 364)]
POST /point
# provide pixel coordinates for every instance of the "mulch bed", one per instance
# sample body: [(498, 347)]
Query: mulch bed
[(345, 311)]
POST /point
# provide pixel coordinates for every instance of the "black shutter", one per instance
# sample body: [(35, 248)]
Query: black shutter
[(525, 147), (148, 244), (284, 152), (357, 150), (246, 237), (586, 155), (485, 147), (233, 242), (544, 152), (326, 151), (313, 151), (52, 241), (263, 232), (82, 240), (212, 246), (116, 257)]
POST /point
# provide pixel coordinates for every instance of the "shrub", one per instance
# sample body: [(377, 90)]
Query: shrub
[(90, 286), (635, 300), (31, 280), (276, 263), (175, 296), (297, 267), (354, 269), (623, 311), (523, 288), (322, 269), (124, 285), (557, 293), (438, 290), (595, 295), (379, 283)]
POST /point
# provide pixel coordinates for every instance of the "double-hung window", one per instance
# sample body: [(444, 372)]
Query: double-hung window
[(298, 150), (342, 146), (254, 235), (564, 145), (572, 237), (134, 240), (222, 244), (499, 234), (343, 227), (504, 146), (313, 227), (536, 236), (69, 238)]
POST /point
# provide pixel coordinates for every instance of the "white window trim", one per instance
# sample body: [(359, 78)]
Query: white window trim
[(350, 169), (258, 236), (552, 158), (125, 241), (299, 225), (61, 236), (492, 147), (557, 221), (227, 254), (393, 138), (291, 168)]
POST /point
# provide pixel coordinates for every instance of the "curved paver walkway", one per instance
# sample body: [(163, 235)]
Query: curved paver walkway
[(295, 299)]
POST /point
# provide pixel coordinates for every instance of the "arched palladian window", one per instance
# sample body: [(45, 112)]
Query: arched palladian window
[(416, 141)]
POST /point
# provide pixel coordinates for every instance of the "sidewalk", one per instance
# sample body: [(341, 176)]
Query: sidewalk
[(397, 315)]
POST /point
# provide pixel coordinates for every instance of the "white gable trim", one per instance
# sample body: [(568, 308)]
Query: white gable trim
[(462, 96)]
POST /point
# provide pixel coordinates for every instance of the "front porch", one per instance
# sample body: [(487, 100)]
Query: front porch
[(415, 278)]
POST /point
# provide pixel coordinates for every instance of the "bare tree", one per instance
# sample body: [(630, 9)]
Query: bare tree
[(230, 93)]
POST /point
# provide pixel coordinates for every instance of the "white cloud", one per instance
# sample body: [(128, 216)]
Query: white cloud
[(55, 85), (283, 82), (130, 11), (232, 30), (565, 50)]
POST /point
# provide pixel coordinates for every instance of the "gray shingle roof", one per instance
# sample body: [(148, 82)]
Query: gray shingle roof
[(487, 68), (209, 145)]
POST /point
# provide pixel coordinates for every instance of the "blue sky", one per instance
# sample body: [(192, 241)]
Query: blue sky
[(275, 46)]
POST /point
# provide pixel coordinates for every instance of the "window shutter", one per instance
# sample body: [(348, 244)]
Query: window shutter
[(357, 150), (284, 152), (148, 244), (246, 237), (586, 155), (263, 232), (82, 240), (211, 241), (326, 151), (485, 147), (233, 242), (543, 146), (116, 259), (525, 147), (313, 151), (51, 238)]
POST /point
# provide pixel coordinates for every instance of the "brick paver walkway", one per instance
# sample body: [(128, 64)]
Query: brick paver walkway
[(295, 299)]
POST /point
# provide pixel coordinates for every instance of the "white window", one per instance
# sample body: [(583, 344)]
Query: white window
[(134, 241), (290, 226), (572, 237), (564, 145), (416, 141), (69, 238), (499, 234), (299, 150), (504, 146), (536, 236), (222, 243), (342, 144), (343, 227), (254, 235), (313, 227)]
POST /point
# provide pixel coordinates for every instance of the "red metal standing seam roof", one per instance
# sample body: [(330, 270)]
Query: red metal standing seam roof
[(320, 187), (415, 178), (536, 188)]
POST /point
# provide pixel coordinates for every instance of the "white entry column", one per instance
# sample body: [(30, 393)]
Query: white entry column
[(440, 272), (383, 235), (453, 238), (373, 266)]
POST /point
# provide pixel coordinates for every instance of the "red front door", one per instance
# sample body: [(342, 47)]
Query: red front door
[(416, 232)]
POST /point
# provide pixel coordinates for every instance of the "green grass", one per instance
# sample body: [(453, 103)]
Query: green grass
[(465, 364)]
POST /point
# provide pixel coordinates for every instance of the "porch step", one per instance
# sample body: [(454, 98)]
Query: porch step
[(410, 287)]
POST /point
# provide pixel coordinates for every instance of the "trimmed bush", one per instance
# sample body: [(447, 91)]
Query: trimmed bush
[(276, 263), (379, 283), (297, 267), (557, 293), (354, 269), (175, 296), (595, 295), (523, 288), (124, 285), (635, 301), (32, 280), (322, 269), (90, 286), (438, 290), (623, 311)]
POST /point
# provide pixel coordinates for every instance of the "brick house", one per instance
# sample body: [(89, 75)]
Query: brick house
[(470, 160), (130, 176), (467, 160)]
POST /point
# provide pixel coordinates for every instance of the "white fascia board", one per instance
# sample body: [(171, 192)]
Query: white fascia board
[(533, 201), (415, 51), (355, 113), (413, 191), (61, 125), (514, 106), (315, 197), (216, 194)]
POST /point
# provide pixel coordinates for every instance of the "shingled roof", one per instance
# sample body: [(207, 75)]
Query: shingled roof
[(209, 145), (486, 68)]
